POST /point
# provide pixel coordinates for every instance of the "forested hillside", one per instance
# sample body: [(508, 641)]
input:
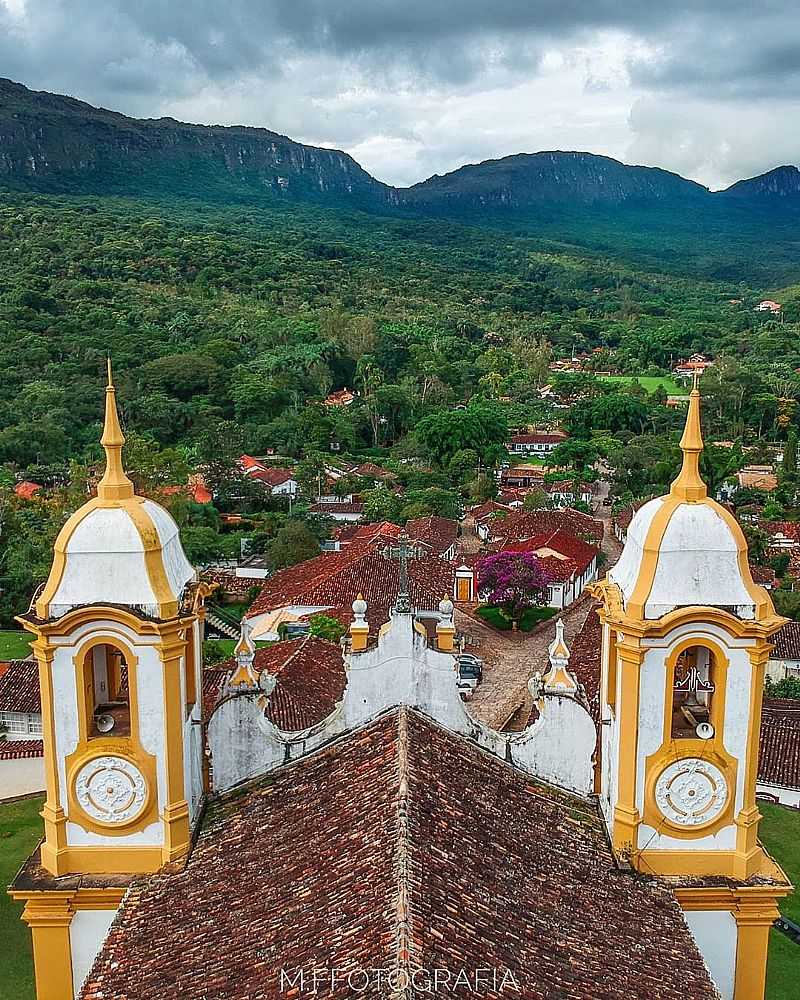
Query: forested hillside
[(228, 326)]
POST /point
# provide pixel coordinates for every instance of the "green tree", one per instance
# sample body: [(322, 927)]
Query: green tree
[(326, 627), (292, 544)]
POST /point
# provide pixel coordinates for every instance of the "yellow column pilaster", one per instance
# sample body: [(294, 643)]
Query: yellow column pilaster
[(176, 808), (626, 815), (444, 638), (754, 918), (749, 855), (49, 918), (55, 820)]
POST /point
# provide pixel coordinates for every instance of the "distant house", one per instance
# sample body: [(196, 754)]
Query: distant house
[(338, 510), (784, 660), (779, 752), (20, 701), (757, 477), (767, 305), (27, 490), (278, 481), (536, 443), (342, 397), (439, 534), (695, 365), (569, 562), (522, 476), (567, 493)]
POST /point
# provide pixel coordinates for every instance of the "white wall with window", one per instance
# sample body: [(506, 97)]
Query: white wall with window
[(20, 725)]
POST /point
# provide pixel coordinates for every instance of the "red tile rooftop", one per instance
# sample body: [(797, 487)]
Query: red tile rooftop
[(399, 847), (19, 687)]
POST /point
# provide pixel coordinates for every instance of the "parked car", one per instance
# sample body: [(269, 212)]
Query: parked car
[(470, 670)]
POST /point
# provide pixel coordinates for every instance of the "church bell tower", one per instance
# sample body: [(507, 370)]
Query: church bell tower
[(117, 631), (686, 638)]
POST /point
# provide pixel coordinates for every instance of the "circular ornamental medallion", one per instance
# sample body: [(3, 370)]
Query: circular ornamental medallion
[(111, 790), (691, 792)]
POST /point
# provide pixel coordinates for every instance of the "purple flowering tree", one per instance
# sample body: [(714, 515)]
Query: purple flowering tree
[(512, 581)]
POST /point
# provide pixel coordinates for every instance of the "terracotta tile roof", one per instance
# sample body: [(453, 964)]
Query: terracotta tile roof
[(524, 524), (20, 749), (440, 533), (311, 679), (763, 575), (213, 685), (399, 847), (330, 507), (625, 516), (369, 470), (335, 579), (19, 688), (541, 437), (26, 489), (489, 509), (368, 534), (787, 642), (790, 529), (574, 550), (584, 660), (779, 745)]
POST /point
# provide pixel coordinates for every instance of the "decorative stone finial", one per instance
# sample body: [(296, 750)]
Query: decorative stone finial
[(689, 485), (359, 627), (359, 608), (445, 630), (114, 485), (558, 679), (245, 653)]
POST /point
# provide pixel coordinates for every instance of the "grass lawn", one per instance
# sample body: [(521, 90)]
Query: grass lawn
[(780, 832), (20, 831), (15, 645), (651, 383), (494, 616)]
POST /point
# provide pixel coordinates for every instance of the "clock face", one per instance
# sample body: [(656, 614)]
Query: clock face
[(691, 792), (111, 790)]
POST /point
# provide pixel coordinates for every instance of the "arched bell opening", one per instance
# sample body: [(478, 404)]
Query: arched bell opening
[(106, 691), (693, 690)]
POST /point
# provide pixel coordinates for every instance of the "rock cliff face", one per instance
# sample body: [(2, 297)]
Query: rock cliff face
[(531, 178), (48, 142), (54, 143), (782, 182)]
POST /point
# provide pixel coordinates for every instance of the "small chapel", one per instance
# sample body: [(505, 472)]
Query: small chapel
[(396, 846)]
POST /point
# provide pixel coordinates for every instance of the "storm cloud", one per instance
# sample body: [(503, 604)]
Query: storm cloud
[(710, 89)]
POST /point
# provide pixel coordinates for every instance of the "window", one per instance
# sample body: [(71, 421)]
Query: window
[(35, 725), (692, 692), (13, 722), (105, 691)]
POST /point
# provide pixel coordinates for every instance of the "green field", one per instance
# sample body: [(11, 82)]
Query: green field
[(780, 832), (530, 619), (20, 831), (650, 383), (15, 645)]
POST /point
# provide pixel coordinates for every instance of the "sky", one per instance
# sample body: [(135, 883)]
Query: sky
[(709, 89)]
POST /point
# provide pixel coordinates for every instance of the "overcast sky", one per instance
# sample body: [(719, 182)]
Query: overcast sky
[(709, 88)]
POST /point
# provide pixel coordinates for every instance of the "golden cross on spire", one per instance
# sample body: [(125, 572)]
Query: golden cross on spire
[(689, 485), (114, 485)]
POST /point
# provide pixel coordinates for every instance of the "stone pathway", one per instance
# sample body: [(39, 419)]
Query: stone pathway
[(511, 659)]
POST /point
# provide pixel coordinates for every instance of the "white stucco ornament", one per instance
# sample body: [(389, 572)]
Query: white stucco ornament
[(111, 790), (691, 792)]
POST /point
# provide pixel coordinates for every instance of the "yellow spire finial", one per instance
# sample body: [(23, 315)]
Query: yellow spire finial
[(689, 485), (114, 485)]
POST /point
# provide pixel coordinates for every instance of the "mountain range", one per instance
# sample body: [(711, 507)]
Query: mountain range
[(57, 144)]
